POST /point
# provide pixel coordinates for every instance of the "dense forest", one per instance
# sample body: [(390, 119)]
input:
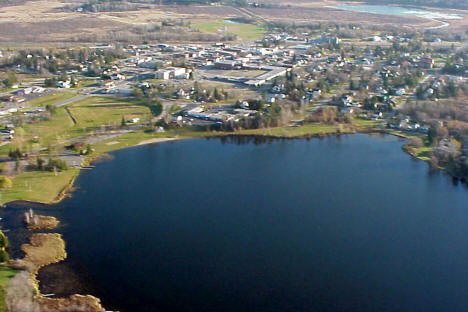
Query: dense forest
[(453, 4)]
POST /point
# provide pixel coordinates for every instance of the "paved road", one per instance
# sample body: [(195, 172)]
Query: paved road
[(73, 99)]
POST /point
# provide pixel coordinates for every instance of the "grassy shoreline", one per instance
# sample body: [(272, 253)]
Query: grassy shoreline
[(46, 188), (58, 191)]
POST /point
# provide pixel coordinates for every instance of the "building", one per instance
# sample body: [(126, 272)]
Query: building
[(226, 64), (426, 62), (172, 73)]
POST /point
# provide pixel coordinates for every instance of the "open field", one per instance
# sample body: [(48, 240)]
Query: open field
[(44, 21), (38, 186), (82, 117), (51, 99), (98, 111), (242, 31), (325, 14)]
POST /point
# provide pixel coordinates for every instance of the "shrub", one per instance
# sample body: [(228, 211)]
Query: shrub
[(3, 241), (4, 255), (5, 182)]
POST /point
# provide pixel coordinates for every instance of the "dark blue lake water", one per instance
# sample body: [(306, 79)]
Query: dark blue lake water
[(347, 223)]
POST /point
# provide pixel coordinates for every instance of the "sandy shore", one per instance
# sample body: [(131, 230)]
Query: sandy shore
[(156, 140)]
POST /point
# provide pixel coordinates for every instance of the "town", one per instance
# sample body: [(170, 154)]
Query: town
[(280, 80), (251, 73)]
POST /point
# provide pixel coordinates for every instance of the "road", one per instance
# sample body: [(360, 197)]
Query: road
[(69, 101)]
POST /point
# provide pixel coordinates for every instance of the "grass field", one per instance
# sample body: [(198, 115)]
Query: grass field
[(6, 273), (305, 130), (51, 98), (366, 123), (97, 111), (38, 186), (82, 117), (242, 31)]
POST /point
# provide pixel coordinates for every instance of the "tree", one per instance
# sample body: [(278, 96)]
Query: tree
[(10, 80), (50, 82), (3, 241), (5, 183), (73, 81), (15, 154), (52, 109), (432, 135), (89, 149), (4, 255), (255, 104), (40, 163), (56, 164), (216, 94)]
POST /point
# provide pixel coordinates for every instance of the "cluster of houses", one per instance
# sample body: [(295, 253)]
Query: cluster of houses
[(407, 124), (217, 115)]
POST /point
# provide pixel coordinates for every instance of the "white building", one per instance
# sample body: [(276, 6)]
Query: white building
[(172, 73)]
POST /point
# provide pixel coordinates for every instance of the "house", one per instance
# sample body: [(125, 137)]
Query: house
[(64, 84), (400, 92), (133, 120), (426, 62), (117, 76)]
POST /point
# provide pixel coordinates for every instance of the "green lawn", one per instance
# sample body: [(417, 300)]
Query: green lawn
[(305, 130), (423, 153), (366, 123), (97, 111), (38, 186), (51, 98), (88, 113), (6, 273), (86, 83), (243, 31)]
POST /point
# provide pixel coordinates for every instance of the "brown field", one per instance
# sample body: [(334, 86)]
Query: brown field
[(200, 11), (324, 14), (45, 20)]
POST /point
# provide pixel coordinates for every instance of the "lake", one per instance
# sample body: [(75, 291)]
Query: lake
[(347, 223), (396, 10)]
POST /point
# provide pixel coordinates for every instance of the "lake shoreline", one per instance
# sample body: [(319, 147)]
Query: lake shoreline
[(68, 189)]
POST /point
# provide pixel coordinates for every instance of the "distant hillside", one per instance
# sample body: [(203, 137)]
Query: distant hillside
[(126, 5), (449, 4)]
